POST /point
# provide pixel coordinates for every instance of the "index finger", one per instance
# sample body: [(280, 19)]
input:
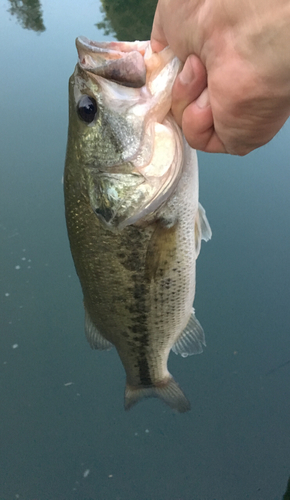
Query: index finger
[(158, 39)]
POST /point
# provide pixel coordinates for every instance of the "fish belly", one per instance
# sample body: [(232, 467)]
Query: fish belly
[(138, 285)]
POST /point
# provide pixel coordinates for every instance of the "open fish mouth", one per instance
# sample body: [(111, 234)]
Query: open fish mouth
[(121, 62), (134, 85)]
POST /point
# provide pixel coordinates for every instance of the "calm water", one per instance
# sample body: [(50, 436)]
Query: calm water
[(63, 432)]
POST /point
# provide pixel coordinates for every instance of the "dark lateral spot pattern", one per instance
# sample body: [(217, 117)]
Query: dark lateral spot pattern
[(131, 256)]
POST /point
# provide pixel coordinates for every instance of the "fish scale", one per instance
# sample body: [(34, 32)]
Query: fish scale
[(134, 226)]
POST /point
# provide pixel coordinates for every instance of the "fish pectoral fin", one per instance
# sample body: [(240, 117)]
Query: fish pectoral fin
[(202, 228), (191, 339), (95, 339), (169, 392)]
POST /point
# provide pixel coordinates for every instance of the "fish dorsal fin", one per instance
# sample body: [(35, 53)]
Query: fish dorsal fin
[(202, 228), (191, 339), (95, 339)]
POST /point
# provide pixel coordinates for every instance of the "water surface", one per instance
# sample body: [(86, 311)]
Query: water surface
[(63, 431)]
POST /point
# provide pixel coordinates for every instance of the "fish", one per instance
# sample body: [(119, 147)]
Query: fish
[(133, 217)]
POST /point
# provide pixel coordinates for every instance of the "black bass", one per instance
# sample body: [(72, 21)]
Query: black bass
[(134, 222)]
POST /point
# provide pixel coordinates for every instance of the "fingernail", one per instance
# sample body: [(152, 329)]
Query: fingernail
[(203, 100), (187, 74)]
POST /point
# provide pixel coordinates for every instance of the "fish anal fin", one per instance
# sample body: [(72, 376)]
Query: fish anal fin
[(191, 339), (95, 339), (161, 250), (168, 391)]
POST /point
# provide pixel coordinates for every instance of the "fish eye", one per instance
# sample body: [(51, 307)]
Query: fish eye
[(87, 108)]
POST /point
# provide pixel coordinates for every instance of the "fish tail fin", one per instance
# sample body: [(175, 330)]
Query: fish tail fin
[(169, 392)]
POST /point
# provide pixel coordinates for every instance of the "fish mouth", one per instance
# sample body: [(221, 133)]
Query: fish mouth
[(151, 160), (132, 64), (120, 62)]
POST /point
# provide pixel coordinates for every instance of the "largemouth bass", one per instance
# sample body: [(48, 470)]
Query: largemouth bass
[(134, 222)]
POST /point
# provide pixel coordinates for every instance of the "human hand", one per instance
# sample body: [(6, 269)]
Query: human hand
[(233, 94)]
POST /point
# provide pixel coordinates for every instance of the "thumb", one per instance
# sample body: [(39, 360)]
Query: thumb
[(158, 38)]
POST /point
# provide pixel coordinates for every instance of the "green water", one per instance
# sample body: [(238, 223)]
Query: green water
[(75, 442)]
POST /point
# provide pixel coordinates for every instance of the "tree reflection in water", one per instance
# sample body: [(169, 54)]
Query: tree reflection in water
[(128, 20), (28, 14)]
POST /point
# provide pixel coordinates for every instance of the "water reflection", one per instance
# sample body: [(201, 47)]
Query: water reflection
[(28, 14), (238, 432), (127, 19)]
